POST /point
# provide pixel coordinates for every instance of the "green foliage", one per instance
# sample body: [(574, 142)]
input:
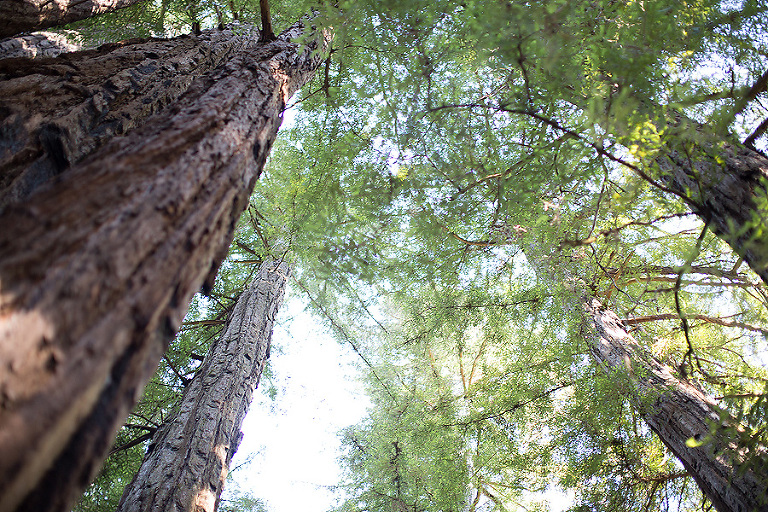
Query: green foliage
[(460, 169)]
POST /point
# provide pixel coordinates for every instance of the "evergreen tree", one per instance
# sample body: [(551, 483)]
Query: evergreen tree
[(98, 269), (188, 459)]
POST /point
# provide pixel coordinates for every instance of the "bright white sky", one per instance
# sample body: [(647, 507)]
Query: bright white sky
[(291, 443), (288, 456)]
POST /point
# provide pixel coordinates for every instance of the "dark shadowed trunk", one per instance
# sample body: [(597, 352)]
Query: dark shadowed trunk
[(677, 412), (28, 15), (189, 456), (97, 271), (55, 112)]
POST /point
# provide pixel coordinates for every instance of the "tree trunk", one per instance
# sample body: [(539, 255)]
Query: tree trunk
[(97, 271), (28, 15), (727, 186), (677, 411), (53, 113), (37, 45), (188, 460)]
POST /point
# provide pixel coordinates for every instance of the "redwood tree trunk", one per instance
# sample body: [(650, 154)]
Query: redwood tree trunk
[(55, 112), (188, 459), (677, 412), (97, 271), (727, 186), (27, 15)]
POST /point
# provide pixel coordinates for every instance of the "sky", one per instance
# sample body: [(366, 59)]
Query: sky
[(289, 450), (288, 456)]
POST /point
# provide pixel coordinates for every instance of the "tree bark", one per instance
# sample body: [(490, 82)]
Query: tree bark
[(28, 15), (53, 113), (677, 411), (188, 459), (37, 45), (97, 271), (727, 186)]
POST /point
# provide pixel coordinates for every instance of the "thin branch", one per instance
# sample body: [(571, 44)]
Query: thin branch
[(709, 319), (140, 427), (554, 124), (689, 354), (184, 380), (131, 444), (512, 408)]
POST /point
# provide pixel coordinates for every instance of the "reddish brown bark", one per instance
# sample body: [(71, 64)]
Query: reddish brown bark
[(678, 411), (188, 459), (97, 271), (55, 112), (27, 15)]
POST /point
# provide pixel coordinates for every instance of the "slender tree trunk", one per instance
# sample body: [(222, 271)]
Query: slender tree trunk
[(55, 112), (677, 411), (28, 15), (189, 456), (97, 271)]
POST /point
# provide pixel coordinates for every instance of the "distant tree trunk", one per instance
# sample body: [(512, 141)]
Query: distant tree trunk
[(55, 112), (36, 45), (189, 456), (97, 271), (29, 15), (677, 411)]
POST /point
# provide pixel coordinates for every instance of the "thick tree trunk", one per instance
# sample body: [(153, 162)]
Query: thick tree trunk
[(37, 45), (677, 412), (727, 186), (189, 456), (53, 113), (97, 271), (28, 15)]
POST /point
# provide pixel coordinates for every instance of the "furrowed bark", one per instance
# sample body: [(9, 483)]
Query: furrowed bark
[(28, 15), (677, 411), (97, 271), (53, 113), (188, 459)]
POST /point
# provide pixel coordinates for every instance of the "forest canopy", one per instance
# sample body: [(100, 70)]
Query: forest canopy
[(542, 228)]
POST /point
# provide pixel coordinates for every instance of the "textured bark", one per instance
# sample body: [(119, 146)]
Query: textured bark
[(53, 113), (97, 271), (727, 186), (37, 45), (188, 459), (28, 15), (677, 411)]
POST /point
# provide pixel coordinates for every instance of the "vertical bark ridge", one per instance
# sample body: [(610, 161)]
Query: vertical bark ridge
[(97, 271), (55, 112), (189, 456)]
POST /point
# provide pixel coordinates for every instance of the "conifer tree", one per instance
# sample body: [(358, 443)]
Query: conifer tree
[(98, 269)]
